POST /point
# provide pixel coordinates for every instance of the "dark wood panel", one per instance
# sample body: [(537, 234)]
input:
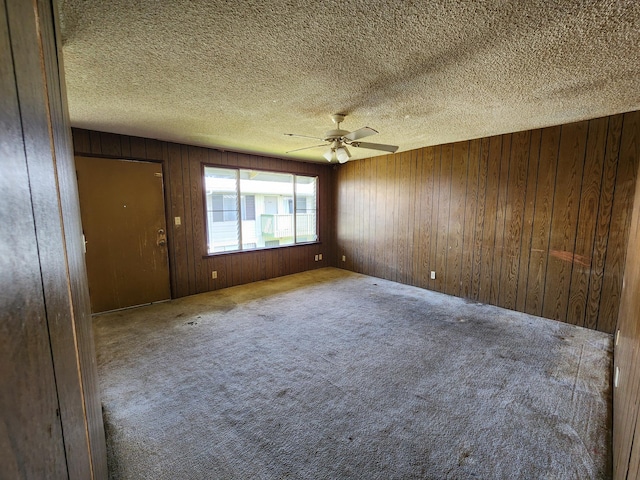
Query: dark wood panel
[(478, 224), (489, 226), (529, 216), (444, 207), (414, 220), (405, 215), (471, 204), (587, 218), (81, 142), (368, 215), (620, 219), (125, 143), (110, 145), (48, 367), (188, 219), (424, 186), (96, 144), (609, 173), (31, 444), (501, 216), (40, 115), (536, 273), (153, 149), (564, 220), (138, 148), (198, 156), (352, 192), (514, 218), (355, 198), (177, 234), (626, 434), (379, 164), (455, 232), (389, 194), (387, 250), (431, 159)]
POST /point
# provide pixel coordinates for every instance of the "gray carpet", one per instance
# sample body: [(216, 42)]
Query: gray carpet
[(331, 374)]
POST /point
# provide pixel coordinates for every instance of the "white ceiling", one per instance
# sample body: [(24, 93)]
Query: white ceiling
[(238, 75)]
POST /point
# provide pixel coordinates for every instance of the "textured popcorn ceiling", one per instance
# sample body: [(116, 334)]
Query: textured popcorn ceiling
[(237, 75)]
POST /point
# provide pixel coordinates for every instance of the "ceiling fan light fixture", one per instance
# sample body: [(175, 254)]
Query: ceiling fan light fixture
[(343, 154), (330, 155)]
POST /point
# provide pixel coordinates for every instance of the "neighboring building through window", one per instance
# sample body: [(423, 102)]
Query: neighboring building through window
[(250, 209)]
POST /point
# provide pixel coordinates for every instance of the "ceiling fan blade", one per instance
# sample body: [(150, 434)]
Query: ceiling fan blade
[(306, 148), (302, 136), (360, 133), (376, 146)]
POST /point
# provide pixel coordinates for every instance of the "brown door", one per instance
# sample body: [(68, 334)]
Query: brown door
[(122, 208)]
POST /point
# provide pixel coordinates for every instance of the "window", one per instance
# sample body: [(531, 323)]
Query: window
[(250, 209)]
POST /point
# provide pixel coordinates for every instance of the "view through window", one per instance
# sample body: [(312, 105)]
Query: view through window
[(250, 209)]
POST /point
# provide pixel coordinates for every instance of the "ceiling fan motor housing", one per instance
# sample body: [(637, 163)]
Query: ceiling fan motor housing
[(332, 135)]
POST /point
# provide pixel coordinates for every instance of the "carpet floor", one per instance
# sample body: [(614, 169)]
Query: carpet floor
[(332, 374)]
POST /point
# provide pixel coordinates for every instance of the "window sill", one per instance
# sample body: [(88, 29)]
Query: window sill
[(234, 252)]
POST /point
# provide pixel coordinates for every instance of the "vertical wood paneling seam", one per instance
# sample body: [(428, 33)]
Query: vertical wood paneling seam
[(183, 216), (397, 161), (575, 236), (553, 201), (613, 194), (484, 208), (602, 180), (435, 251), (187, 187), (504, 220), (197, 254), (423, 221), (535, 204), (448, 226), (464, 219), (473, 240), (168, 212), (411, 226), (89, 142), (524, 210), (495, 226)]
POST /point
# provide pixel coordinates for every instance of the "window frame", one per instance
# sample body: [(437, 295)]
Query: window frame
[(205, 217)]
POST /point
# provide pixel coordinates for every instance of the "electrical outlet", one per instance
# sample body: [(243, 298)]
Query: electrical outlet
[(433, 275), (344, 258), (214, 274), (320, 256), (177, 221), (316, 258)]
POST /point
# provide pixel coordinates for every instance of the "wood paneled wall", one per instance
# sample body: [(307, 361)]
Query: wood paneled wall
[(190, 266), (626, 396), (533, 221), (51, 425)]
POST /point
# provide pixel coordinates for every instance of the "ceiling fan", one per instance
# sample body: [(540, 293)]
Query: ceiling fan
[(337, 140)]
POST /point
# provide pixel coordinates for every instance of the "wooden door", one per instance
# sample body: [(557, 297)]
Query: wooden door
[(123, 218)]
